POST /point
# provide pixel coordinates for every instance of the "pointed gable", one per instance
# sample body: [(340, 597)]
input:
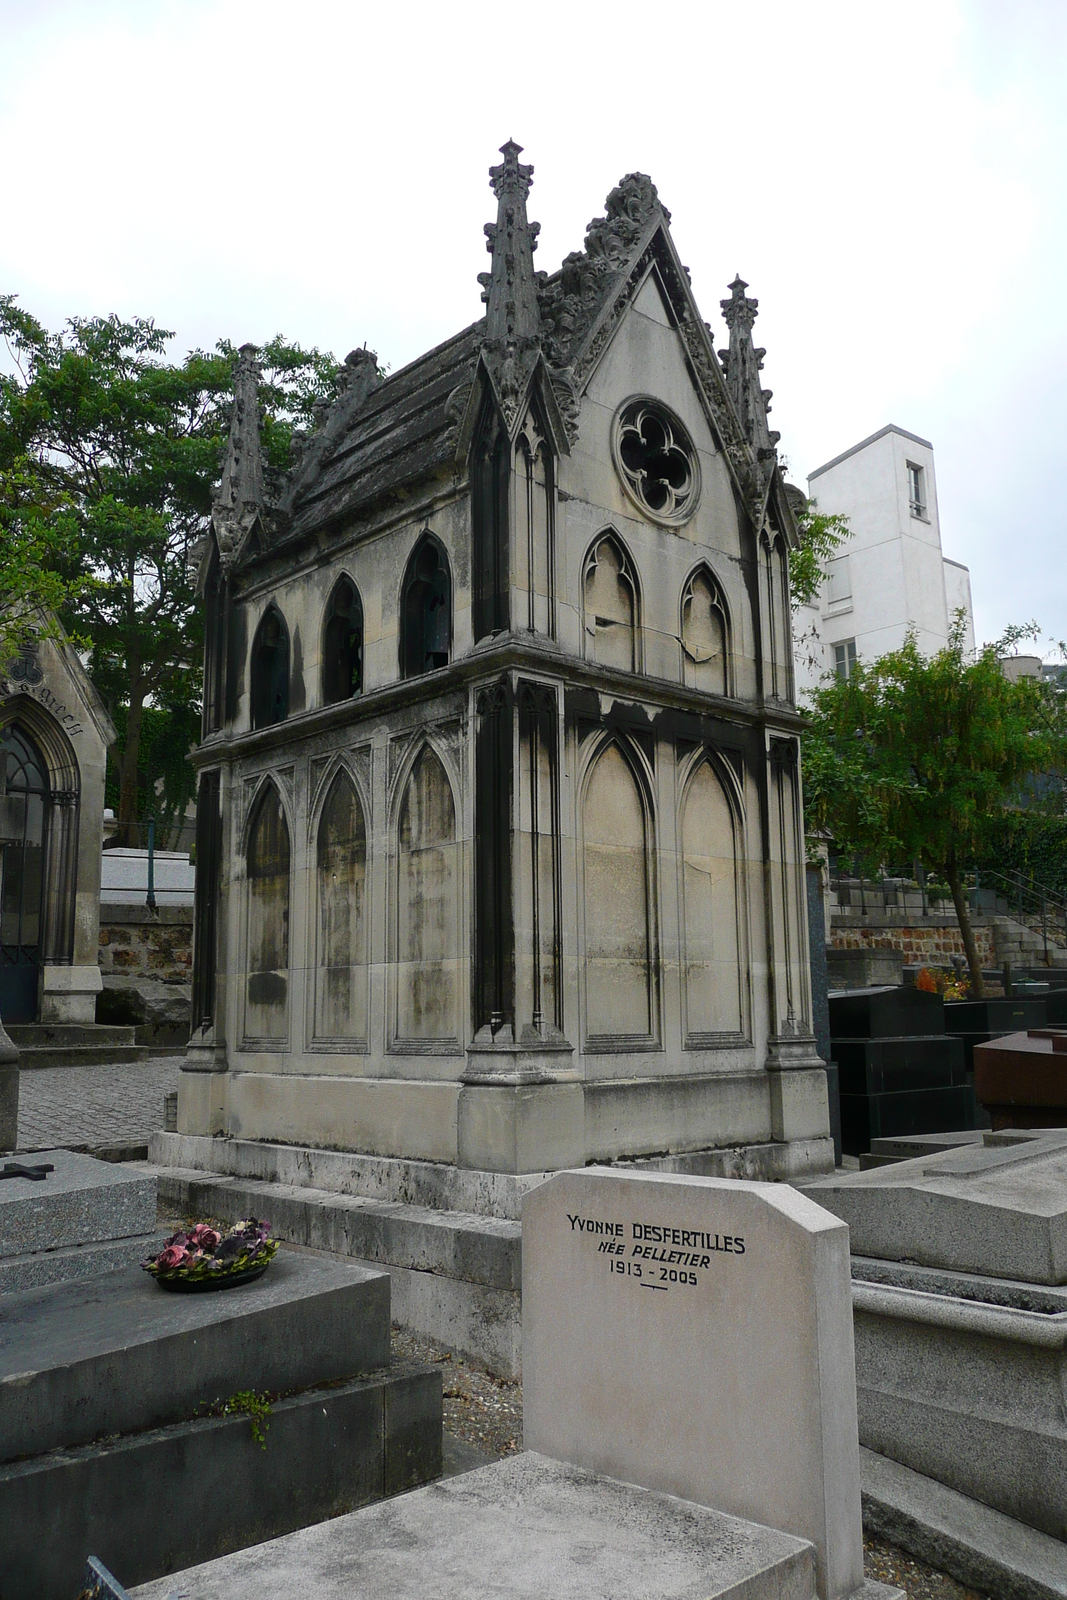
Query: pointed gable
[(542, 336)]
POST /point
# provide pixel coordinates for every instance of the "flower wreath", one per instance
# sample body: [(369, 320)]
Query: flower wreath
[(204, 1252)]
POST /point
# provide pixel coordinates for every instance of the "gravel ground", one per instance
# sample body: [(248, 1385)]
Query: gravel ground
[(487, 1412)]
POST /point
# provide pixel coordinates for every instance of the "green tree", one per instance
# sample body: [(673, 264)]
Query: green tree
[(109, 455), (915, 758), (821, 535)]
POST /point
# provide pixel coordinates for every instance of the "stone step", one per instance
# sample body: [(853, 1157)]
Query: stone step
[(40, 1267), (86, 1055), (455, 1276), (66, 1035), (436, 1184), (324, 1451), (74, 1044), (455, 1244), (973, 1543)]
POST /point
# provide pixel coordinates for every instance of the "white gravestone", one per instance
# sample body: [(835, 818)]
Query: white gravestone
[(694, 1335)]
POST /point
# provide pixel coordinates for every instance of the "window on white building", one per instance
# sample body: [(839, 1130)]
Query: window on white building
[(916, 490), (845, 658), (838, 584)]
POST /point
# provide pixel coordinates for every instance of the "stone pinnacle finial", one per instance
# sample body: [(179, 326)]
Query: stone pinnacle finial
[(509, 289), (241, 496), (743, 364)]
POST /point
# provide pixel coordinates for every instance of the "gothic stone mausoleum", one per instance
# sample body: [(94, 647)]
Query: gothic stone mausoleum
[(54, 739), (500, 856)]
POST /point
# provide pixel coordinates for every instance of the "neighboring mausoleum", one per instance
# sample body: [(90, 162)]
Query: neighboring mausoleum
[(54, 738), (500, 852)]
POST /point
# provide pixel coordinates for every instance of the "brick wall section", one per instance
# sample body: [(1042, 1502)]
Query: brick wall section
[(934, 941), (136, 945)]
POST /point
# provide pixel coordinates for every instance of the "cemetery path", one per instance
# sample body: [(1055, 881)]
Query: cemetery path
[(94, 1106)]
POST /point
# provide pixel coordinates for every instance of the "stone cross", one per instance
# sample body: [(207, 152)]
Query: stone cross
[(15, 1169)]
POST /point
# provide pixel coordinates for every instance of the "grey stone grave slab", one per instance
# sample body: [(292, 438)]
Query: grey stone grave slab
[(694, 1335), (149, 1502), (40, 1267), (118, 1354), (998, 1210), (81, 1202), (521, 1527), (960, 1310)]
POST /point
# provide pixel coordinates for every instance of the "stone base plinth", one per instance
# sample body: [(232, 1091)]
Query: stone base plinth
[(510, 1121), (68, 994)]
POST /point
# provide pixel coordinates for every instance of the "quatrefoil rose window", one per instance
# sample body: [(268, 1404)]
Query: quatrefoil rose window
[(656, 461)]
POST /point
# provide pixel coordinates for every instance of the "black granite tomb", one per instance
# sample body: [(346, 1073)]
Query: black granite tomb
[(978, 1021), (885, 1014), (880, 1116), (894, 1066)]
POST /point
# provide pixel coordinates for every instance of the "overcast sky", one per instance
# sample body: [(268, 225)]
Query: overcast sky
[(891, 180)]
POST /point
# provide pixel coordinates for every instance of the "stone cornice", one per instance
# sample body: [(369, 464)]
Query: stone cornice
[(504, 653)]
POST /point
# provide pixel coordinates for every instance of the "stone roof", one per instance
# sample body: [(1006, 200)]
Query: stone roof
[(383, 436), (401, 431)]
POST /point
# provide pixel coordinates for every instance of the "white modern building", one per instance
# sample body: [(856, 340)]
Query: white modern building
[(891, 575)]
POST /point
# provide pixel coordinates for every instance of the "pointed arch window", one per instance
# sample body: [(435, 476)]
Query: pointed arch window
[(610, 600), (341, 864), (342, 644), (270, 670), (776, 588), (267, 993), (705, 634), (427, 902), (425, 609), (711, 911), (618, 906), (214, 644)]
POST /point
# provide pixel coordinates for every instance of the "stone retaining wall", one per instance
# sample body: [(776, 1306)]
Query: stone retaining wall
[(146, 962), (933, 941)]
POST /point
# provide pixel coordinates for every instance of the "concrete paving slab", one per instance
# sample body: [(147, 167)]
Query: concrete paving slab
[(81, 1201), (968, 1540), (117, 1354), (526, 1526)]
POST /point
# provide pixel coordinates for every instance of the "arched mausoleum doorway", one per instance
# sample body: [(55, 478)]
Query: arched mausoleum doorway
[(39, 793)]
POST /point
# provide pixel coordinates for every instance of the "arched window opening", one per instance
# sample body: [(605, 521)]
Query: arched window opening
[(427, 907), (341, 862), (214, 645), (776, 569), (705, 635), (270, 670), (618, 934), (267, 998), (610, 593), (26, 791), (425, 610), (712, 926), (342, 644)]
